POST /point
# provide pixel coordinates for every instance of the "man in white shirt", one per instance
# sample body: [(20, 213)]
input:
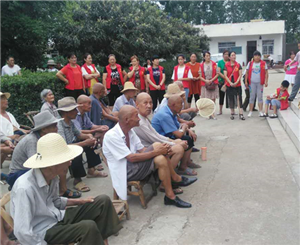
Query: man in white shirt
[(129, 160), (11, 69)]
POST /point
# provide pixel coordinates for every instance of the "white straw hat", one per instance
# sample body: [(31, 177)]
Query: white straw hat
[(7, 95), (206, 107), (67, 104), (173, 89), (128, 86), (43, 120), (52, 150)]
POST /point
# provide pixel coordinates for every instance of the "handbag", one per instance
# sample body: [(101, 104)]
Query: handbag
[(211, 86), (223, 89)]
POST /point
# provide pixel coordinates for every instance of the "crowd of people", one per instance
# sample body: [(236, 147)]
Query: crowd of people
[(134, 143)]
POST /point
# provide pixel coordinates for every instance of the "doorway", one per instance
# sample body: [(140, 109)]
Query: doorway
[(251, 47)]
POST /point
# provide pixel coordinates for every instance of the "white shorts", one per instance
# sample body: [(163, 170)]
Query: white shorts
[(290, 78)]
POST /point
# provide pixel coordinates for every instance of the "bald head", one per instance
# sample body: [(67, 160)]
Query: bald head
[(126, 112), (141, 97), (97, 88), (144, 104), (82, 99), (175, 103), (128, 117)]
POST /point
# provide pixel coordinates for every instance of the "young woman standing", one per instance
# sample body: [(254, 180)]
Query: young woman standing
[(195, 83)]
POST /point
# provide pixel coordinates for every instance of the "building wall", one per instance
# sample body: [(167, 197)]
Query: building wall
[(242, 41)]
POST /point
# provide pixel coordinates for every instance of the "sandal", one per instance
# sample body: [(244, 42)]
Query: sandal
[(177, 191), (242, 117), (194, 165), (74, 194), (188, 172), (82, 187), (97, 174), (99, 167), (265, 115), (220, 113), (232, 117), (273, 116)]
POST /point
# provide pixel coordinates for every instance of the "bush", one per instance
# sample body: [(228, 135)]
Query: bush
[(25, 92)]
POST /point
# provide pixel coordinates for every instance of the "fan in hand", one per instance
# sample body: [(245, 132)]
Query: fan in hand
[(206, 107)]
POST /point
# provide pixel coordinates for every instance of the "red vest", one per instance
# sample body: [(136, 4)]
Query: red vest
[(284, 103), (70, 77), (150, 69), (236, 72), (142, 78), (214, 72), (262, 72), (108, 78), (88, 82), (185, 75)]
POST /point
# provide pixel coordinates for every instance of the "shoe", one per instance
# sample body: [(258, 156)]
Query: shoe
[(195, 149), (177, 202), (261, 114), (250, 114), (184, 181), (232, 117), (290, 99), (265, 115), (242, 117)]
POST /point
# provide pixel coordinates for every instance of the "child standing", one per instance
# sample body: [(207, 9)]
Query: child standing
[(279, 100)]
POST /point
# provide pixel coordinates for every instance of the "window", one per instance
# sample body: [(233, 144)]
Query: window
[(268, 46), (224, 46), (237, 50)]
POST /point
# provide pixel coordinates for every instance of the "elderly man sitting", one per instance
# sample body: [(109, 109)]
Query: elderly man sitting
[(40, 215), (100, 113), (7, 147), (165, 123), (149, 136), (129, 160), (129, 92), (67, 108)]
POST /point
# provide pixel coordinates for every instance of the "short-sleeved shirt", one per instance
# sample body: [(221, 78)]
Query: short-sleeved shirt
[(116, 151), (122, 101), (7, 127), (115, 76), (221, 65), (255, 77), (232, 77), (156, 74), (68, 132), (84, 72), (180, 73), (77, 75), (165, 122), (292, 70), (96, 111), (10, 71), (82, 122), (25, 149)]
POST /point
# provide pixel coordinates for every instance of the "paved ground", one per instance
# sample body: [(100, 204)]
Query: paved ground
[(245, 193)]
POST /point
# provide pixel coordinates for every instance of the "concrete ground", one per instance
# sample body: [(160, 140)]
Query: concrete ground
[(245, 193)]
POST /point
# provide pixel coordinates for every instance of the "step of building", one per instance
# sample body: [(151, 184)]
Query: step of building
[(295, 108)]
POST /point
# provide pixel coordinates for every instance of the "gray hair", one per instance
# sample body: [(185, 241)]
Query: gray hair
[(44, 94)]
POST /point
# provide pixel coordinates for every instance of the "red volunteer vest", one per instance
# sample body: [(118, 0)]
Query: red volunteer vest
[(214, 72), (236, 72), (262, 72), (142, 78), (88, 70), (150, 69), (284, 103), (70, 77), (108, 78), (185, 75)]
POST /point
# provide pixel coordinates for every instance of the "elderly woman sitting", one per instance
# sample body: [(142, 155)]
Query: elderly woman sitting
[(47, 99)]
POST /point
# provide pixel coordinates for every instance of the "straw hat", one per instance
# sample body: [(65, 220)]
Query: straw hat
[(173, 89), (43, 120), (52, 150), (7, 95), (67, 104), (51, 63), (128, 86), (206, 107)]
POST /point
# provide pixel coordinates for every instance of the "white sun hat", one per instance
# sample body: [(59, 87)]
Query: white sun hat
[(7, 95), (206, 107), (52, 150)]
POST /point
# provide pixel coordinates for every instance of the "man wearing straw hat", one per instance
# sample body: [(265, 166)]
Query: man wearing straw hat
[(51, 66), (40, 215), (129, 92)]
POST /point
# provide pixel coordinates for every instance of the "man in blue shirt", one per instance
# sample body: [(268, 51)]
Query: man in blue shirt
[(165, 123), (129, 92)]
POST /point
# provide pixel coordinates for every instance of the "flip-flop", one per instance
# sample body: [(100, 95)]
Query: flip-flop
[(188, 172), (177, 191), (75, 194), (194, 165), (97, 174), (82, 187)]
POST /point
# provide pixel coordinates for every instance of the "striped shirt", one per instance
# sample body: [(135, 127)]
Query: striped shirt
[(68, 132)]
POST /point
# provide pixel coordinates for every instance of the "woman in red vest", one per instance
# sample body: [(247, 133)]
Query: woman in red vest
[(72, 76), (195, 83), (89, 72), (113, 79), (182, 73), (137, 74), (156, 79), (209, 79), (233, 75)]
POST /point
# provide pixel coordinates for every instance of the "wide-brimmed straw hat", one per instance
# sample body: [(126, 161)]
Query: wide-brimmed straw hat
[(7, 95), (51, 63), (206, 107), (52, 150), (173, 89), (43, 120), (67, 104), (128, 86)]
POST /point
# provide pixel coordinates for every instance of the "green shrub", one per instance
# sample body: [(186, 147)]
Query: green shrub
[(25, 92)]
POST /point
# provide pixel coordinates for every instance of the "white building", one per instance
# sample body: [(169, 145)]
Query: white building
[(268, 37)]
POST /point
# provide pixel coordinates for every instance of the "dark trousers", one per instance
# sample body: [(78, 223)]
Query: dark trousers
[(156, 95), (74, 93), (221, 95), (12, 177), (88, 224), (112, 96), (92, 159), (197, 97), (189, 140), (246, 101)]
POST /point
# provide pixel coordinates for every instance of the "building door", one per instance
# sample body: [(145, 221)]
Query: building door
[(251, 47)]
